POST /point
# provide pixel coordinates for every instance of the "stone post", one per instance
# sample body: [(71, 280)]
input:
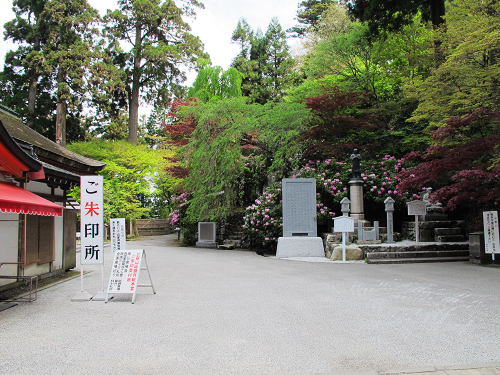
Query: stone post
[(389, 208), (356, 188)]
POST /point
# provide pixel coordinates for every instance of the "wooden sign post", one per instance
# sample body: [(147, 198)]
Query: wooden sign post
[(124, 278)]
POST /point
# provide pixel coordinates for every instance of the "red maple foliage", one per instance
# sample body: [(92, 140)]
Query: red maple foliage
[(336, 118), (179, 130), (460, 166)]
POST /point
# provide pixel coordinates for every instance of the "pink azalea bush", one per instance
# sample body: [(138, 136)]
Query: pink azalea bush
[(178, 203), (263, 219)]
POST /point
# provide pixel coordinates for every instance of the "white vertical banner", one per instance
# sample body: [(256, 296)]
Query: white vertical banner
[(91, 220), (491, 237), (117, 234)]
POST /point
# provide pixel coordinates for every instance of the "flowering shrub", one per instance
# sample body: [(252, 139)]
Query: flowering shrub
[(380, 178), (177, 203), (263, 219)]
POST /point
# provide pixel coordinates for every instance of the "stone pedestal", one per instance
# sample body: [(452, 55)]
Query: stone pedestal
[(357, 206), (290, 247)]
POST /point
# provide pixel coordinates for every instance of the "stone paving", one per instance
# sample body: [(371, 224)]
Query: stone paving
[(234, 312)]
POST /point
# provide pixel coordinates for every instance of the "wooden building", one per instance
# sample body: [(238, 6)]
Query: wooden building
[(37, 218)]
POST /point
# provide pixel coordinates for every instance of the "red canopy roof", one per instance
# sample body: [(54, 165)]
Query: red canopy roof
[(20, 201)]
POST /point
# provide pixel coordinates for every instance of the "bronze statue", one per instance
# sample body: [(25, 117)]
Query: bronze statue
[(356, 165)]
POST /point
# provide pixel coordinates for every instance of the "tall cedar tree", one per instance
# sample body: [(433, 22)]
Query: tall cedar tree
[(25, 65), (308, 14), (264, 61), (160, 43), (463, 166), (69, 50)]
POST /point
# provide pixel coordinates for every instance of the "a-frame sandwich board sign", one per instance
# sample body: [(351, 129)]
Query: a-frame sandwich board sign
[(124, 278)]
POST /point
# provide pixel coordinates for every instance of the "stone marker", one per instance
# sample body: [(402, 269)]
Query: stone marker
[(389, 208), (206, 235), (299, 220), (299, 207)]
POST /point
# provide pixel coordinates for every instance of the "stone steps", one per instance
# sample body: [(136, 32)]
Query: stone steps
[(418, 260), (425, 256), (450, 238)]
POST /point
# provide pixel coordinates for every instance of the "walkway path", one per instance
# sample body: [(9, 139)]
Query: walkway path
[(237, 313)]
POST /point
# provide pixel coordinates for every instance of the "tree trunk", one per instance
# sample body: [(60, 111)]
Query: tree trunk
[(437, 12), (61, 112), (32, 100), (32, 90), (133, 119), (437, 20)]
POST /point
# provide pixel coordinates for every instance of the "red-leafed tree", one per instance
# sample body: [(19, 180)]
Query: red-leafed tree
[(462, 166), (338, 124), (179, 131)]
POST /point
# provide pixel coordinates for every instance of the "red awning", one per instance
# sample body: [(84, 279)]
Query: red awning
[(14, 199)]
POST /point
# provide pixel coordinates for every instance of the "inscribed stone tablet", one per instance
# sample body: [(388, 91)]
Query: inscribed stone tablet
[(299, 207)]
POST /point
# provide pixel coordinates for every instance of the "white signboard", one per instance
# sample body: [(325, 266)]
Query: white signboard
[(91, 220), (343, 224), (125, 272), (117, 234), (491, 237), (417, 208)]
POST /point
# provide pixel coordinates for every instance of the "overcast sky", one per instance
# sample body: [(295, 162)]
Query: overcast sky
[(214, 24)]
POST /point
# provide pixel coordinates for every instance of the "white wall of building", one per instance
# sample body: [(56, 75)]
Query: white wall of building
[(9, 242)]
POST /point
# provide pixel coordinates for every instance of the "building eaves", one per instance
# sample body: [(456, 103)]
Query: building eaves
[(49, 151)]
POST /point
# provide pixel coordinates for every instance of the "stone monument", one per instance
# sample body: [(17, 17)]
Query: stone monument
[(299, 220), (206, 235)]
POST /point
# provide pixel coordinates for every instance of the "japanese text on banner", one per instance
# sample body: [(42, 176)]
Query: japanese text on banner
[(91, 220)]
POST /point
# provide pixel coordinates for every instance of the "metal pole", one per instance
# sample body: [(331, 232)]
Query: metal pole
[(81, 278), (343, 246), (416, 228)]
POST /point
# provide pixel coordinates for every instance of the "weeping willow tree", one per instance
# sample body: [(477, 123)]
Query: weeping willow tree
[(213, 83)]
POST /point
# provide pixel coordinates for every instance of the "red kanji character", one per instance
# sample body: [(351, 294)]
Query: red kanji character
[(91, 209)]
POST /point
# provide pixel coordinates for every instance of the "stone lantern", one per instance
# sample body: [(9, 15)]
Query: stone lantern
[(345, 206)]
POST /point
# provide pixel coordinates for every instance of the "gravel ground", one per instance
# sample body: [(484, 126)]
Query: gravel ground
[(234, 312)]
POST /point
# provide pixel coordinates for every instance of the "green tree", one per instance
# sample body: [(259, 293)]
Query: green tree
[(469, 78), (133, 173), (213, 83), (278, 69), (233, 149), (52, 62), (160, 42), (392, 15), (308, 15), (27, 28), (69, 50), (264, 61)]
